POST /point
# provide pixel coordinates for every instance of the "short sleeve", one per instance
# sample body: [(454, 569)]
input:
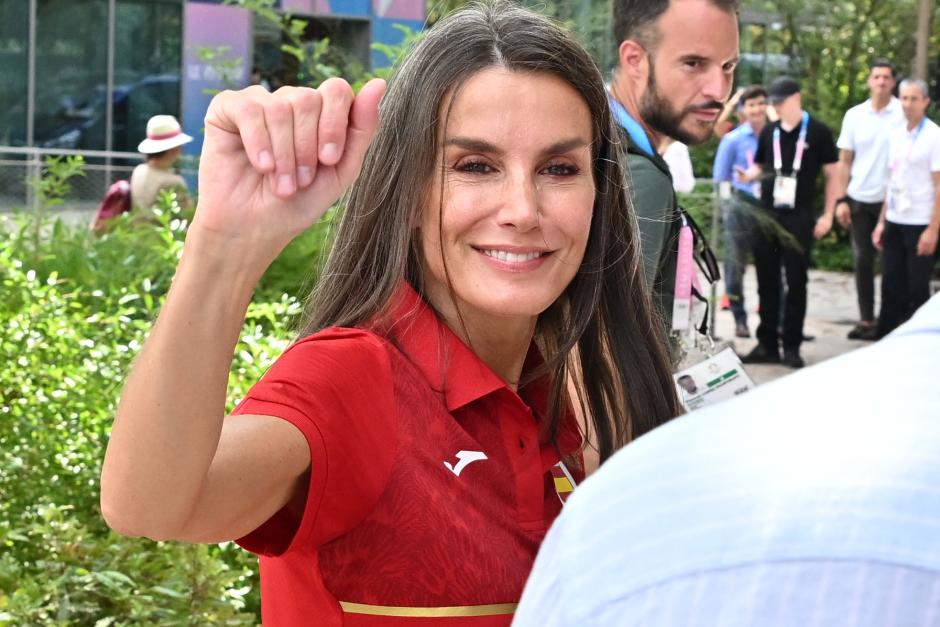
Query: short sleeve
[(847, 134), (336, 388)]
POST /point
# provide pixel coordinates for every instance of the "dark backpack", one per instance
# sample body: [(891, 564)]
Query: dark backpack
[(117, 200)]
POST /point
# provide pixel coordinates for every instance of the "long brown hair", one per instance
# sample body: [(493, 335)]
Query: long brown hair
[(623, 376)]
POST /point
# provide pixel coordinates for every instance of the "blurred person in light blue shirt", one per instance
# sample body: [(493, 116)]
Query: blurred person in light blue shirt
[(808, 501), (737, 147), (736, 152)]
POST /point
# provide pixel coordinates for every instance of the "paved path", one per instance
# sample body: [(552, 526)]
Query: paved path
[(832, 310)]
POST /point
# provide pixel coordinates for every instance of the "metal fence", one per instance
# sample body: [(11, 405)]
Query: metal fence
[(19, 165)]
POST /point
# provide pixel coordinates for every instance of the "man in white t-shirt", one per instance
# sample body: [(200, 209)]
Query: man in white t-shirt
[(907, 230), (863, 166)]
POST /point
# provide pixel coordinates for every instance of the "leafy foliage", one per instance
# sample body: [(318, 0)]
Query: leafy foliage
[(316, 60), (75, 311), (226, 67)]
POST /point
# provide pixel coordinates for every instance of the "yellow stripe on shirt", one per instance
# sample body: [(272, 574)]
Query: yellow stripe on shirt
[(440, 612)]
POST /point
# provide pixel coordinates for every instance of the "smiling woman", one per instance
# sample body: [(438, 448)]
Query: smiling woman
[(405, 457), (505, 232)]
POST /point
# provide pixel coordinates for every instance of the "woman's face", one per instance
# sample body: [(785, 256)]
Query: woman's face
[(512, 213)]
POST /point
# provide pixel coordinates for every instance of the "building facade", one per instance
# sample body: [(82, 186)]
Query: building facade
[(86, 75)]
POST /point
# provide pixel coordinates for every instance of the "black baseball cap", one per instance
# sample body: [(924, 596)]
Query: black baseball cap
[(782, 88)]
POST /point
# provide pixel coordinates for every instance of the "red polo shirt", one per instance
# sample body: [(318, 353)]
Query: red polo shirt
[(429, 492)]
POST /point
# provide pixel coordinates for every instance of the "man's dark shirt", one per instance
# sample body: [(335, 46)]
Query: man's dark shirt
[(657, 213), (820, 150)]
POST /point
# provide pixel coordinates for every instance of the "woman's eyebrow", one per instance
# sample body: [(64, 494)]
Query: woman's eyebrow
[(481, 145), (470, 143), (567, 144)]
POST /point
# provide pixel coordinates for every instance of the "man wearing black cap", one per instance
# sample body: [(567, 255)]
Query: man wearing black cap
[(790, 154)]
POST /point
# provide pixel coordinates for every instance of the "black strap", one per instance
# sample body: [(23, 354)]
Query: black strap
[(702, 328), (702, 253)]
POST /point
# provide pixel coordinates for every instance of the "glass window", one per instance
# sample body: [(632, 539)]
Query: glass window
[(71, 73), (71, 70), (147, 61), (14, 21)]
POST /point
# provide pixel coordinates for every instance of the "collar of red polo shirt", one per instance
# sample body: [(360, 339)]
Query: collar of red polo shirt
[(454, 370)]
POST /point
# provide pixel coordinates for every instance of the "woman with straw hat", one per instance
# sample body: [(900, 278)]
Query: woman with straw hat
[(162, 147)]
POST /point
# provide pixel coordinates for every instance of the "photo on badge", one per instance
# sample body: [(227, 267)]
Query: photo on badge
[(718, 378)]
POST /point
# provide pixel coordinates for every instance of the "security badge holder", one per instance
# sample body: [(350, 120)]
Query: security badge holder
[(784, 192), (900, 199), (785, 185), (715, 371)]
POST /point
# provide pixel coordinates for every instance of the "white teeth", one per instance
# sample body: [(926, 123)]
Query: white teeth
[(502, 255)]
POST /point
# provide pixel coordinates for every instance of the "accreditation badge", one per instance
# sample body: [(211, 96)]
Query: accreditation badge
[(719, 377), (784, 192), (900, 199)]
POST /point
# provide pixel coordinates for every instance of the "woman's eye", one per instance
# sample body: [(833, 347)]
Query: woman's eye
[(474, 167), (560, 169)]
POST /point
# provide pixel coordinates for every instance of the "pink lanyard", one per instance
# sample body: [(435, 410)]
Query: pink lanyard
[(910, 147), (686, 279), (800, 146)]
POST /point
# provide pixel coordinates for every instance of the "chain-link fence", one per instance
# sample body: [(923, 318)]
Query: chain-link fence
[(18, 165)]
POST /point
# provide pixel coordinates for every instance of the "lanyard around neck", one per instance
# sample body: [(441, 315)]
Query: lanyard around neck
[(910, 146), (800, 146)]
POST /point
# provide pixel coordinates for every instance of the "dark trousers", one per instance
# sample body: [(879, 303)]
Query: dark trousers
[(905, 275), (864, 219), (771, 251), (737, 240)]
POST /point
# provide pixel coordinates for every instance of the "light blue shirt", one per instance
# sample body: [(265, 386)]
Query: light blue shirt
[(633, 128), (737, 148), (812, 500)]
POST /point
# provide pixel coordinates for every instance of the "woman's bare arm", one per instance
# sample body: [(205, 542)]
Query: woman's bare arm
[(175, 468)]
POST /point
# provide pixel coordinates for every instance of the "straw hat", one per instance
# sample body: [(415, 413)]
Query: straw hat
[(163, 133)]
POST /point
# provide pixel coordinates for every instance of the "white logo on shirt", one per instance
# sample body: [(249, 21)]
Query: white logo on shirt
[(465, 459)]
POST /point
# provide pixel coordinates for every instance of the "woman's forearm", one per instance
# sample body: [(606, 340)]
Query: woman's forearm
[(170, 414)]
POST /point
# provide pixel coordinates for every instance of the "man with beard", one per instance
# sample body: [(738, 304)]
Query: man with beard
[(676, 65)]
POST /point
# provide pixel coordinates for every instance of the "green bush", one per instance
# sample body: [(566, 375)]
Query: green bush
[(834, 252), (75, 310)]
